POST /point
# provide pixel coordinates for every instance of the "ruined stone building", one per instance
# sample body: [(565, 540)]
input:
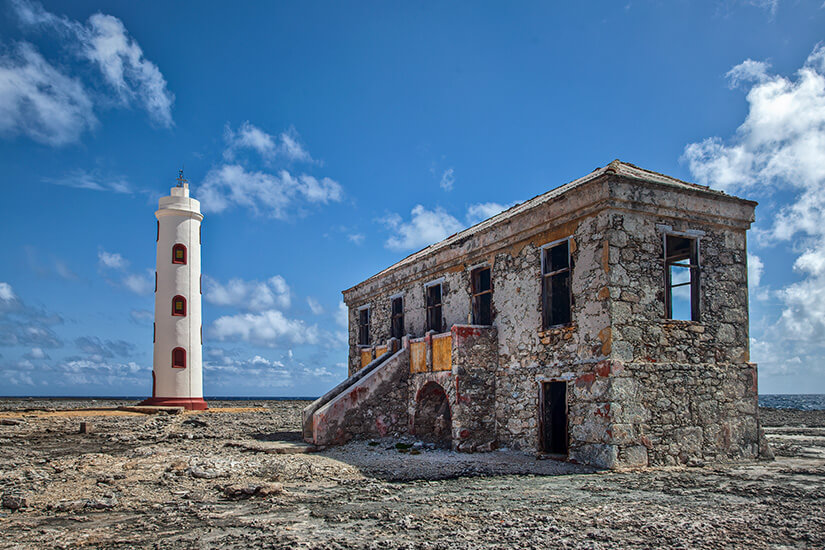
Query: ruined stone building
[(605, 322)]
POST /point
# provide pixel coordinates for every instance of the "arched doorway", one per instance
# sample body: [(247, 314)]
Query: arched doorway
[(433, 422)]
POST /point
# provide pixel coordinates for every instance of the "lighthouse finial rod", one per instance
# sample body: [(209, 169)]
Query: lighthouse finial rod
[(181, 179)]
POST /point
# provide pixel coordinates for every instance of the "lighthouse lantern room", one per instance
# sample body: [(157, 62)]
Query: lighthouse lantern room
[(177, 372)]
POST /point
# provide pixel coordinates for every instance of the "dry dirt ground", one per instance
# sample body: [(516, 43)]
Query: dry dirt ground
[(209, 480)]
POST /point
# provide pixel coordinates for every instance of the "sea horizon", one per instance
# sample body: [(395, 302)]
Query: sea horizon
[(799, 401)]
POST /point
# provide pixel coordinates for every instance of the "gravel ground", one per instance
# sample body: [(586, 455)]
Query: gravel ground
[(208, 480)]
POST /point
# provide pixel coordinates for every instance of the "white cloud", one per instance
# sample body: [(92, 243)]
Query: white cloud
[(36, 353), (424, 228), (41, 102), (6, 292), (447, 179), (111, 260), (316, 308), (781, 146), (482, 211), (279, 194), (748, 71), (342, 318), (324, 190), (115, 265), (140, 284), (248, 295), (105, 42), (25, 325), (357, 238), (755, 269), (269, 147), (267, 328), (120, 59), (96, 349), (82, 179), (232, 185)]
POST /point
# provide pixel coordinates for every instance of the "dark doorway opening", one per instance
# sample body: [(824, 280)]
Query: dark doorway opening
[(433, 422), (554, 418)]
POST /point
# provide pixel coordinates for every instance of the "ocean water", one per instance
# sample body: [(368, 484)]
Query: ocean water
[(803, 402)]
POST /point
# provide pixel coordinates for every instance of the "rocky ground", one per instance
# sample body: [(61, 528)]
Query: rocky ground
[(211, 480)]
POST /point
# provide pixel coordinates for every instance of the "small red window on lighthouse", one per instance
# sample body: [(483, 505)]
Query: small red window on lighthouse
[(179, 358), (179, 254), (179, 306)]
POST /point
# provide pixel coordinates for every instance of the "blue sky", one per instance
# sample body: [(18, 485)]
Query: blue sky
[(328, 140)]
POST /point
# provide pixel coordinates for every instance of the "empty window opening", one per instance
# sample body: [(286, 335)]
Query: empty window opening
[(433, 421), (178, 254), (556, 297), (434, 321), (482, 296), (553, 417), (179, 306), (681, 278), (397, 318), (156, 281), (179, 358), (364, 326), (157, 236)]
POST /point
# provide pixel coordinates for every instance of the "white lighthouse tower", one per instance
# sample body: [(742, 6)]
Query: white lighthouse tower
[(177, 373)]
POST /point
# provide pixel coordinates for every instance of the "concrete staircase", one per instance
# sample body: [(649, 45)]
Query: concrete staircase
[(370, 403)]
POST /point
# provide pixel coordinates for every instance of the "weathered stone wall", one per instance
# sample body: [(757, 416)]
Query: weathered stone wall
[(475, 364), (640, 330), (688, 391), (674, 413), (528, 355)]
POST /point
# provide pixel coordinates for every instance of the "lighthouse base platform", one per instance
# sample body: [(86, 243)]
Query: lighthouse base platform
[(189, 403)]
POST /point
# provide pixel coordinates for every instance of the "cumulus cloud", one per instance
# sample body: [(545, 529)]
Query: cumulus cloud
[(36, 354), (269, 147), (104, 42), (263, 192), (111, 260), (22, 324), (96, 349), (755, 269), (114, 268), (747, 72), (92, 373), (314, 306), (139, 283), (781, 147), (447, 179), (236, 371), (269, 328), (39, 101), (248, 295), (482, 211), (278, 193), (357, 238), (6, 292), (424, 228)]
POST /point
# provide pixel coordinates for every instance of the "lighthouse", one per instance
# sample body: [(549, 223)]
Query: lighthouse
[(177, 371)]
